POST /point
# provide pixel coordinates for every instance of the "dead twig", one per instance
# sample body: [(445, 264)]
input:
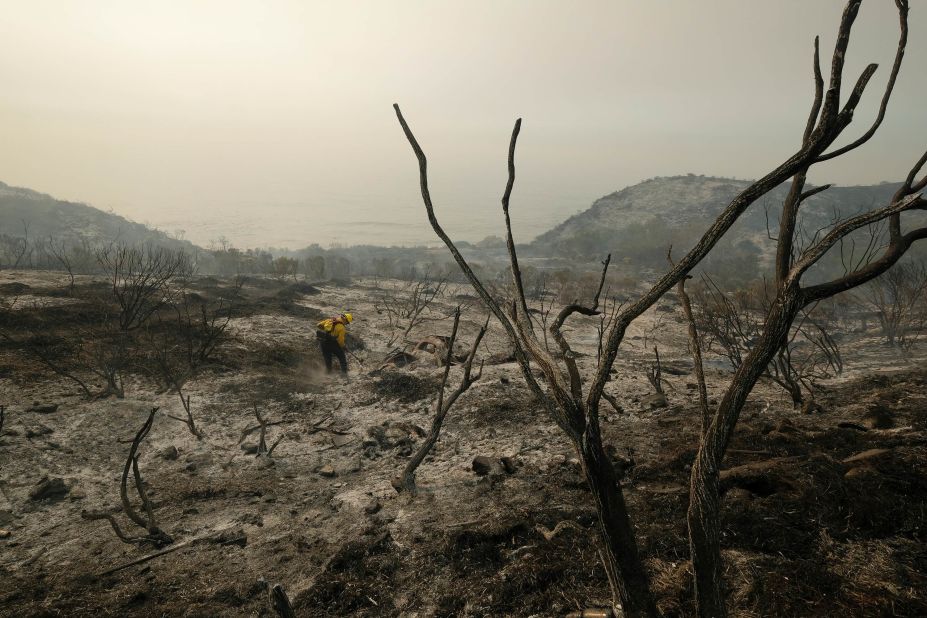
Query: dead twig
[(406, 481), (154, 534)]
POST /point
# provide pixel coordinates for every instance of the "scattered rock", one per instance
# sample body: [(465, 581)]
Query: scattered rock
[(482, 465), (655, 401), (392, 434), (249, 449), (339, 440), (327, 471), (43, 408), (169, 453), (49, 489), (5, 534), (878, 417), (373, 507), (252, 519), (39, 431), (262, 462), (235, 536), (377, 435), (509, 464)]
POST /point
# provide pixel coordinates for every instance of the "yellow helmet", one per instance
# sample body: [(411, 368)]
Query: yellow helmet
[(348, 317)]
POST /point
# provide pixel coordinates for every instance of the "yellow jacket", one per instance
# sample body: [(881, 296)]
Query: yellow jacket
[(335, 328)]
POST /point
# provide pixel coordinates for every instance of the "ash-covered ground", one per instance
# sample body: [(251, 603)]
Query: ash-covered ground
[(824, 513)]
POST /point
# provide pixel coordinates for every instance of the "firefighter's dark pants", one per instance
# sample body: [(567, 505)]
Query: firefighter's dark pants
[(330, 349)]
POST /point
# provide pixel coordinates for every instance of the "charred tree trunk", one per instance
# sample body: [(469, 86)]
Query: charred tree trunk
[(577, 413), (704, 501), (620, 555)]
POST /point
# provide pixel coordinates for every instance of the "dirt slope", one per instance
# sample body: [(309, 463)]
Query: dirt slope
[(823, 514)]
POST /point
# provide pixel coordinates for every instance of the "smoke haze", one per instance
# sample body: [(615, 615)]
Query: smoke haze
[(270, 123)]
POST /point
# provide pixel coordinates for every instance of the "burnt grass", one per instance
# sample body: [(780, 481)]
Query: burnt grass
[(804, 531), (404, 386), (800, 536)]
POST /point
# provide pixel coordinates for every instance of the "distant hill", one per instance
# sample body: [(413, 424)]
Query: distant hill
[(638, 223), (46, 216)]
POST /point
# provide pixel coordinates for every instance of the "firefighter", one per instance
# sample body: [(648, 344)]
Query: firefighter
[(330, 333)]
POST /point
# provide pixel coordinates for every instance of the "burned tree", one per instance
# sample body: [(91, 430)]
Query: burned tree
[(139, 279), (575, 405), (410, 304), (730, 323), (899, 297), (406, 481), (53, 354), (181, 341), (62, 256), (14, 249), (695, 347), (826, 121), (153, 534), (97, 349), (564, 399)]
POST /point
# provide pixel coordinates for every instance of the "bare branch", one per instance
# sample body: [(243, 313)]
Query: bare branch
[(480, 289), (810, 192), (909, 181), (817, 251), (832, 98), (406, 481), (130, 460), (695, 347), (154, 534), (509, 240), (896, 67), (818, 92)]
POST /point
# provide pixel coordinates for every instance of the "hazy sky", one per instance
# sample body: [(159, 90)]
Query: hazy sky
[(271, 121)]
